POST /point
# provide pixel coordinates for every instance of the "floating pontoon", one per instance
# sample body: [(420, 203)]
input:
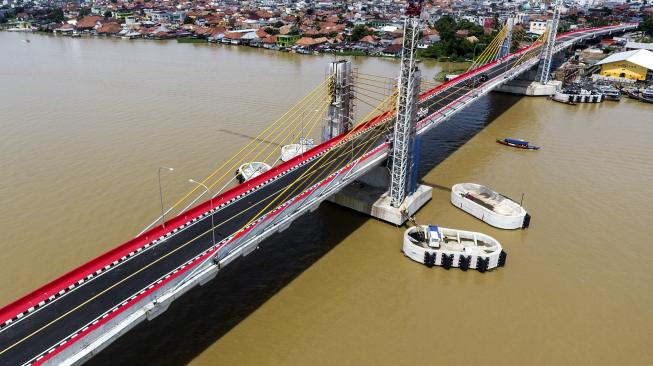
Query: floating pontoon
[(439, 246), (489, 206)]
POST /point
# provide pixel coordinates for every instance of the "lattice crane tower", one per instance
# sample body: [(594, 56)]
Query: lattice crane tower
[(547, 50), (408, 91)]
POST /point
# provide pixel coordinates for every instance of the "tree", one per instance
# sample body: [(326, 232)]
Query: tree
[(56, 15), (271, 31), (446, 26), (107, 14), (83, 12), (646, 26), (455, 48), (278, 24), (359, 32), (188, 20)]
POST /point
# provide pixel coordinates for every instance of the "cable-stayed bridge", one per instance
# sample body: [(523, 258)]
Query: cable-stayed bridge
[(75, 316)]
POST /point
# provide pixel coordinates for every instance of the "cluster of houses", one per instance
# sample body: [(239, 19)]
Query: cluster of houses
[(303, 26), (302, 30)]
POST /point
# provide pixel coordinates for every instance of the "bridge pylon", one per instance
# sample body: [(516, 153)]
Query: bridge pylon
[(341, 107), (547, 49), (404, 196), (504, 50), (403, 143)]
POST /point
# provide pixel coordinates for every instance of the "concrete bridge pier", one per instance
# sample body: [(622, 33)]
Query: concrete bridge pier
[(370, 194), (525, 85), (528, 83)]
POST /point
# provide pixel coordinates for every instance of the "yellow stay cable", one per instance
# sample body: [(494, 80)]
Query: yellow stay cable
[(496, 40), (535, 48), (257, 149), (314, 117), (490, 51), (304, 173), (248, 145), (320, 101)]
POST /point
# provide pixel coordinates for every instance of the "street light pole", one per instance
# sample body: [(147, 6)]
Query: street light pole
[(163, 215), (474, 61), (211, 209)]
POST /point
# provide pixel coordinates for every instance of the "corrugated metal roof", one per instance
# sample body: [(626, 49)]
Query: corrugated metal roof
[(642, 58), (639, 46)]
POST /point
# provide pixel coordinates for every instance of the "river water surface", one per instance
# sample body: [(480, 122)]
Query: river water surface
[(85, 124)]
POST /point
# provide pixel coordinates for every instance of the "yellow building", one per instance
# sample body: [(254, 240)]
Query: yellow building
[(633, 65)]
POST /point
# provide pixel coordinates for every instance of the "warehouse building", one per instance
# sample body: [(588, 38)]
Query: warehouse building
[(634, 65)]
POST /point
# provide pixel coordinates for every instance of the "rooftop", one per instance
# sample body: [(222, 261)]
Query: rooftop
[(642, 58)]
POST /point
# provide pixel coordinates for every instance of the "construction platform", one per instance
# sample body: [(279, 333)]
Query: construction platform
[(369, 195)]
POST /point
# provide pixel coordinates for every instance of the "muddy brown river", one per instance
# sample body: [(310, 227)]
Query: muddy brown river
[(85, 124)]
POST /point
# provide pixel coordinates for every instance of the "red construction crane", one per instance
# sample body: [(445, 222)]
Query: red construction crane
[(414, 9)]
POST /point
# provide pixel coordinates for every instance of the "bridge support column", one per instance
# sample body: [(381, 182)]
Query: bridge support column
[(547, 49), (537, 81), (507, 42), (405, 197), (341, 109)]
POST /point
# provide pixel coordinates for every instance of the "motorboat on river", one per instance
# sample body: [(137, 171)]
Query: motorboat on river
[(489, 206), (250, 170), (439, 246), (517, 143)]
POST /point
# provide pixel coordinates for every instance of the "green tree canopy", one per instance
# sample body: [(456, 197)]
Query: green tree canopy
[(271, 31), (56, 15), (456, 48), (646, 26), (359, 32)]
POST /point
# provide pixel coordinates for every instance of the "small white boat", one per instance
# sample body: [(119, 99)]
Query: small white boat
[(290, 151), (439, 246), (489, 206), (248, 171)]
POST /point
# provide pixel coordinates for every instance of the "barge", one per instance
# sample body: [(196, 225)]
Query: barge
[(439, 246), (489, 206), (578, 96)]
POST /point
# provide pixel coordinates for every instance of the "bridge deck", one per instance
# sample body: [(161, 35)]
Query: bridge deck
[(36, 327)]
